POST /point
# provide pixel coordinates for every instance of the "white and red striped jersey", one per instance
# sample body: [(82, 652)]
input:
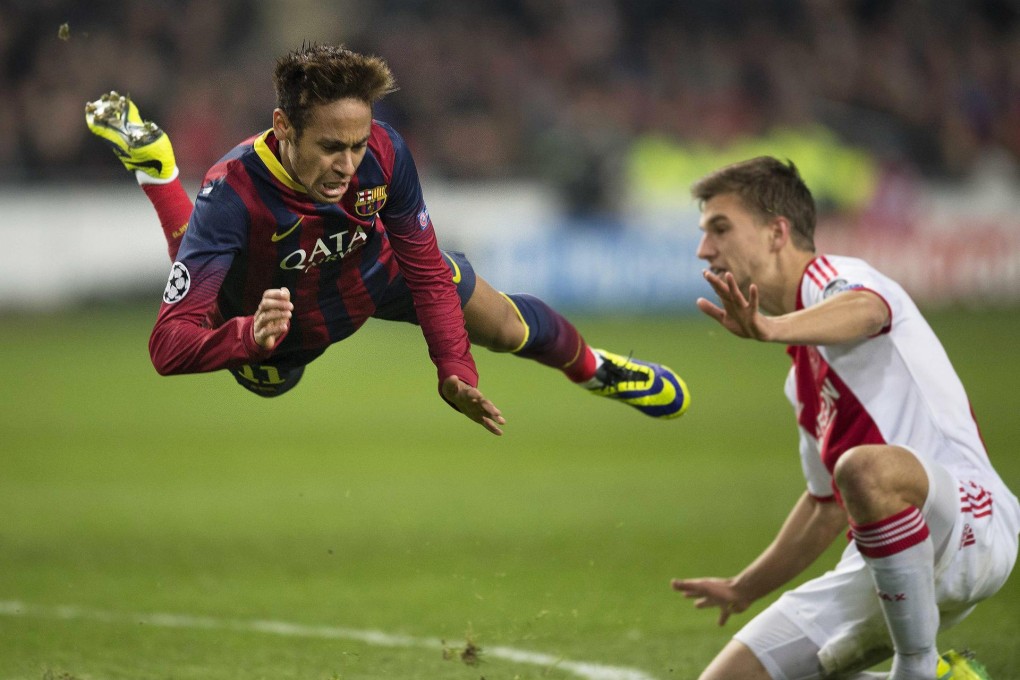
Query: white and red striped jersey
[(897, 387)]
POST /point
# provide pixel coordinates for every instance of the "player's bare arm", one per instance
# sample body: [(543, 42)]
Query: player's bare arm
[(809, 529), (845, 317), (472, 403), (272, 318)]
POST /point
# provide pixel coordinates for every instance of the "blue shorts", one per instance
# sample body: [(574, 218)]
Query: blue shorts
[(397, 305), (277, 375)]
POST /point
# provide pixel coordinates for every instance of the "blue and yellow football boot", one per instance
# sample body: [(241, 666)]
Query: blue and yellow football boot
[(653, 389), (141, 146), (960, 666)]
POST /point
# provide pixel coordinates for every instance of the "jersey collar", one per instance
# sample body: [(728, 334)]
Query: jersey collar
[(273, 164)]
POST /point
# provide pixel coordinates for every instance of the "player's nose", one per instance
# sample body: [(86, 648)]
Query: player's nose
[(343, 164), (705, 249)]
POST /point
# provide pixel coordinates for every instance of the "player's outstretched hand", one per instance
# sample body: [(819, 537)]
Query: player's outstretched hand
[(739, 315), (473, 404), (272, 318), (712, 592)]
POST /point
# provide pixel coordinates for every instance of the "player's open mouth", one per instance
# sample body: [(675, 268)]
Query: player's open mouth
[(334, 189)]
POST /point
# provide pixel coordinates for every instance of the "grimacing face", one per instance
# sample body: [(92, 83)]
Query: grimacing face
[(327, 153), (734, 240)]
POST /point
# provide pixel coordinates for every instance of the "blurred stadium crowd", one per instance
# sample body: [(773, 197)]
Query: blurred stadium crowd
[(557, 90)]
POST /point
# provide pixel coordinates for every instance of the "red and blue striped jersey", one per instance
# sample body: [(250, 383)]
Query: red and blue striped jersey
[(254, 228)]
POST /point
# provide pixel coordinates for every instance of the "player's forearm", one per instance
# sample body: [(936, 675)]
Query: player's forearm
[(179, 346), (447, 340), (437, 306), (808, 530), (845, 317)]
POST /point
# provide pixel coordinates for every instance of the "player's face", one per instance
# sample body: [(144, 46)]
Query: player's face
[(327, 153), (734, 240)]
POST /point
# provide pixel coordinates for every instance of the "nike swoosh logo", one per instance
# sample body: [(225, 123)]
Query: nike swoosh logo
[(280, 237), (456, 269)]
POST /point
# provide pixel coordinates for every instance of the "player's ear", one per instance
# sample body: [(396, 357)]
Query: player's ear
[(282, 129), (780, 233)]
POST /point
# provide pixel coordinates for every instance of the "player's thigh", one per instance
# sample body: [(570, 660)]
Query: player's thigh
[(397, 304), (979, 550), (829, 625), (941, 508), (735, 661)]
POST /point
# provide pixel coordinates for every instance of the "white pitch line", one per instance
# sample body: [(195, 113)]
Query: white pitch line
[(582, 669)]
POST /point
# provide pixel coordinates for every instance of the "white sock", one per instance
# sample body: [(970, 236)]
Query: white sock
[(905, 581)]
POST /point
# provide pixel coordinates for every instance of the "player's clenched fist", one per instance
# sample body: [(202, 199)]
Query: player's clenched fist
[(272, 318)]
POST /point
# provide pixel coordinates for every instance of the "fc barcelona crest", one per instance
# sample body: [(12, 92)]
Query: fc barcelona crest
[(370, 201)]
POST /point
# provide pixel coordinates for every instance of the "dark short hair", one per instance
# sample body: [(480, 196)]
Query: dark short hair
[(769, 188), (321, 74)]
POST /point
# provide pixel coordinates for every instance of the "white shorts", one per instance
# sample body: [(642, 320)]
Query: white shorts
[(833, 624)]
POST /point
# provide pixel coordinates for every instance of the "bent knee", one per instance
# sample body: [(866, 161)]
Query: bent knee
[(860, 465), (507, 338), (495, 324), (875, 473)]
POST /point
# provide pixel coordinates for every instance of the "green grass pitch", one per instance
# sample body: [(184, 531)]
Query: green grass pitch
[(360, 502)]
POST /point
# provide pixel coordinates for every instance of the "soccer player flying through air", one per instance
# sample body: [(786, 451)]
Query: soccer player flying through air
[(303, 232), (888, 444)]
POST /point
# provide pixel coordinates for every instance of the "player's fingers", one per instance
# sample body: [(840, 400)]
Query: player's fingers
[(690, 589), (713, 279), (710, 308), (273, 300), (731, 283), (271, 323), (268, 304), (490, 409), (492, 427), (268, 340), (276, 294), (718, 284), (734, 291), (678, 584), (270, 314)]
